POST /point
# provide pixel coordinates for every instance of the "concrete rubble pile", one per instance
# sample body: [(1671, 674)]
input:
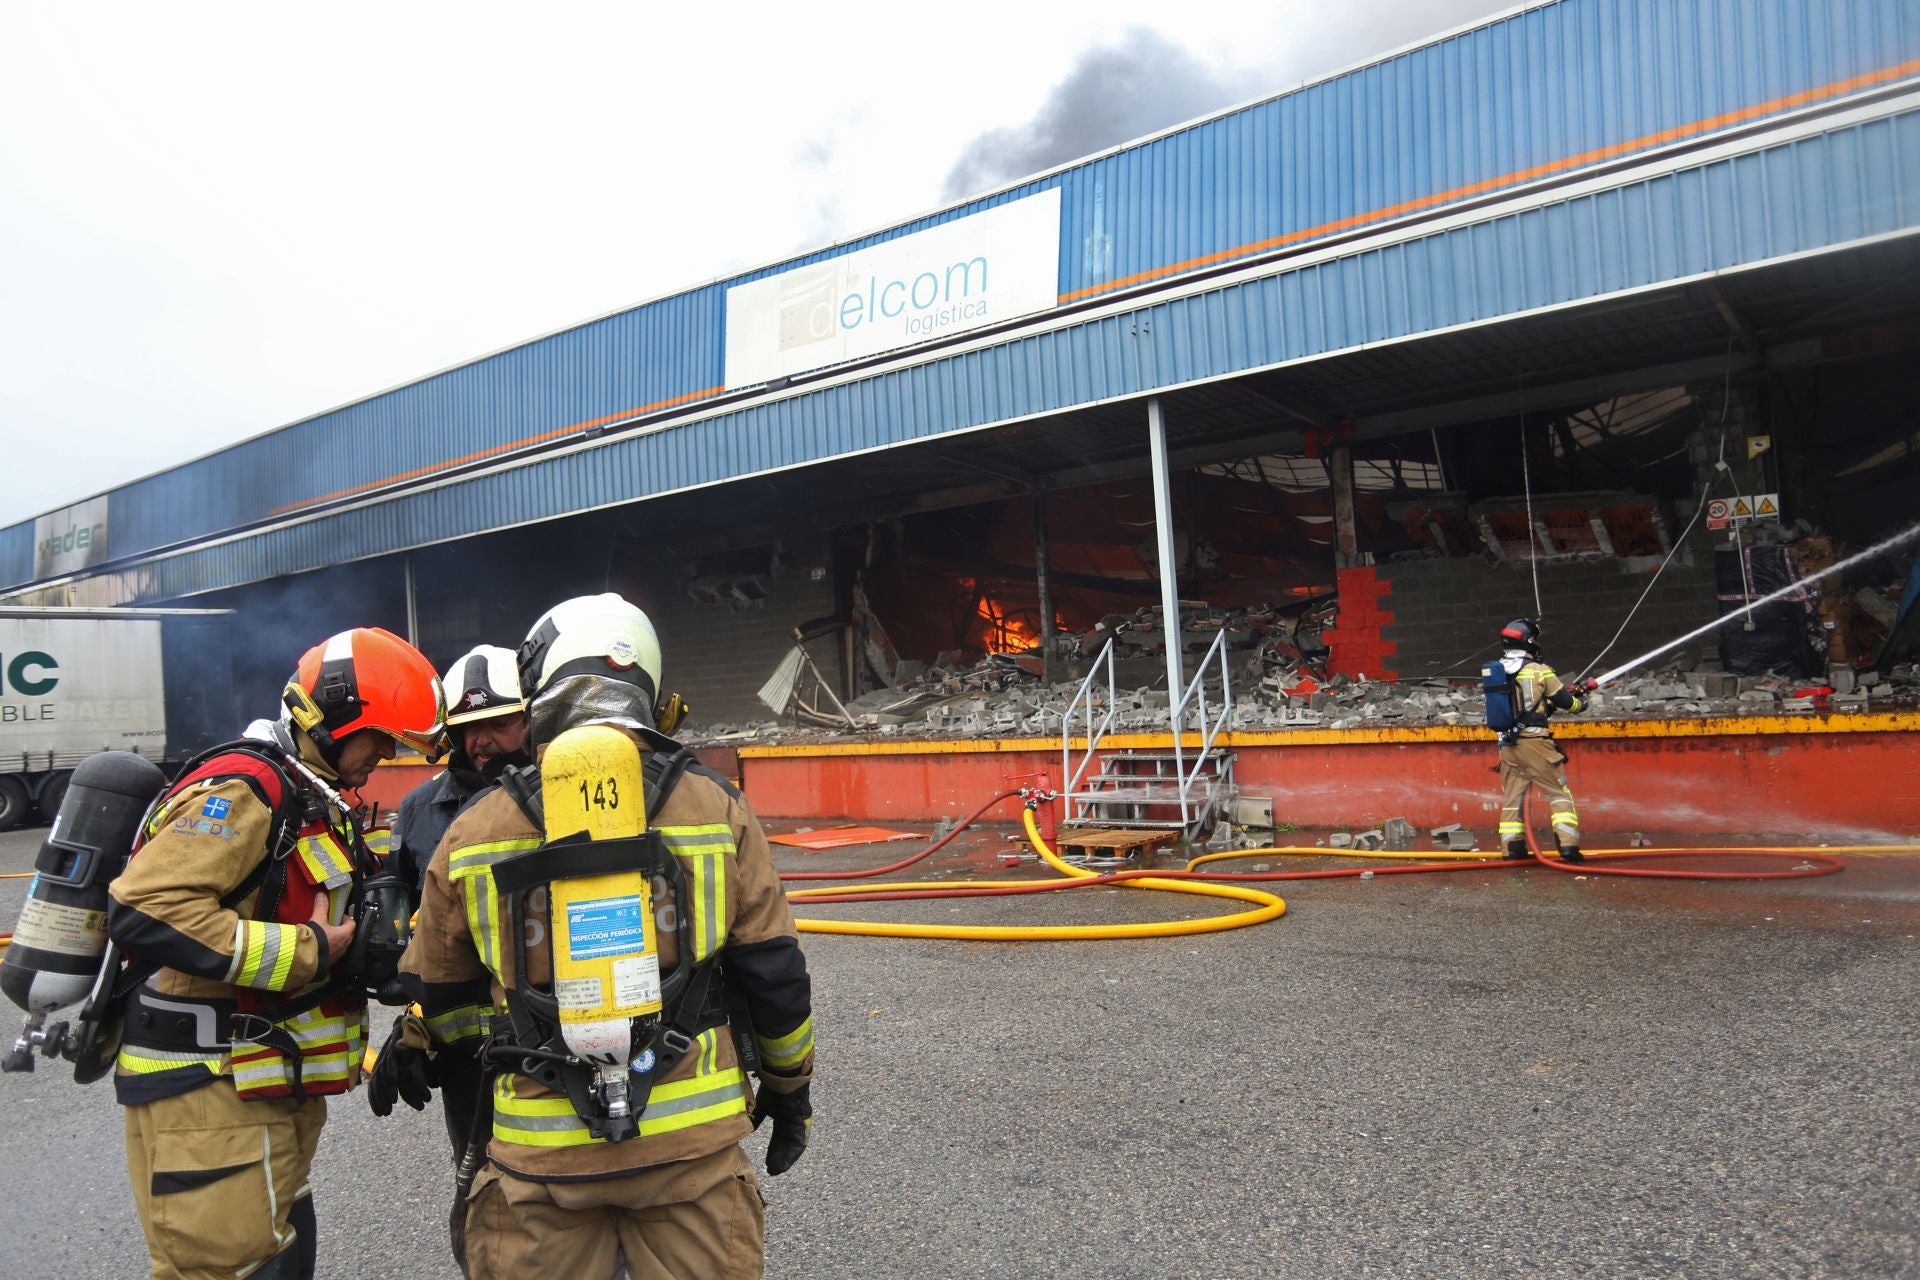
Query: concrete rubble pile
[(1277, 663)]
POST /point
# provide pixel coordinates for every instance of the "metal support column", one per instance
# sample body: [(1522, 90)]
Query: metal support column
[(1163, 541), (1044, 580), (413, 604), (1346, 529)]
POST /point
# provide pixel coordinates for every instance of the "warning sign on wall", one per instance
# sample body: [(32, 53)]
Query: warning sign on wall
[(1734, 512)]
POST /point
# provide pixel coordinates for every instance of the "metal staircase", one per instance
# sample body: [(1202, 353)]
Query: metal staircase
[(1145, 790), (1185, 789)]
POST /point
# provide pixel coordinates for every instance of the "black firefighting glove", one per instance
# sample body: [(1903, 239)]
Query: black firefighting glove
[(792, 1123), (405, 1069)]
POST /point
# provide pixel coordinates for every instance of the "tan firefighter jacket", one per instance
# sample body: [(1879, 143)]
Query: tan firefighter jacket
[(176, 905), (1535, 689), (462, 964)]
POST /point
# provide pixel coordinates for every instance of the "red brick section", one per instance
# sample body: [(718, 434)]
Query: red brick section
[(1356, 640)]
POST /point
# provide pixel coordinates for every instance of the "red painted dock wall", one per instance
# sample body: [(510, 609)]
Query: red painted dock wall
[(1855, 779), (1843, 785)]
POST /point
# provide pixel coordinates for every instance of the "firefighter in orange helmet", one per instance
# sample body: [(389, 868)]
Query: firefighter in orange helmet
[(242, 1011)]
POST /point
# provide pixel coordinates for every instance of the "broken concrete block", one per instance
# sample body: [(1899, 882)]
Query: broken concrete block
[(1253, 811), (1397, 833), (1370, 840), (1718, 684), (1340, 840), (1459, 840)]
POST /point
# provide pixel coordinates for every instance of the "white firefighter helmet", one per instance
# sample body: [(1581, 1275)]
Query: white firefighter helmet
[(599, 636), (484, 683)]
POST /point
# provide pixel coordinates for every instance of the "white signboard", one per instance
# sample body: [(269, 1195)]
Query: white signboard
[(979, 270), (70, 539), (74, 686)]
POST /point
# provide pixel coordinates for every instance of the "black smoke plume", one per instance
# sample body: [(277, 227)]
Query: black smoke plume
[(1142, 84), (1116, 93)]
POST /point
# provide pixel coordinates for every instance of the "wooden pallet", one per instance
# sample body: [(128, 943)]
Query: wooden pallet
[(1115, 844)]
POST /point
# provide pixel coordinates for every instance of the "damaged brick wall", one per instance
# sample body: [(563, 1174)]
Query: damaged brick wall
[(717, 657), (1443, 610), (1358, 642)]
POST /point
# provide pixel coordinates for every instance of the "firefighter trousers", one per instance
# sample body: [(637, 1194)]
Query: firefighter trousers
[(1536, 762), (698, 1219), (220, 1184)]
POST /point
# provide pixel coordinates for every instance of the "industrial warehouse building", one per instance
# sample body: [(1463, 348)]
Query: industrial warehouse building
[(1361, 369)]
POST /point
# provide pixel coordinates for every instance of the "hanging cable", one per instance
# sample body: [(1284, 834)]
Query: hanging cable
[(1720, 472), (1454, 666), (1533, 555)]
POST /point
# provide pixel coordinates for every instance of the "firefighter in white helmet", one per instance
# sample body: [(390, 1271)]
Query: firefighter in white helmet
[(487, 729), (637, 1162)]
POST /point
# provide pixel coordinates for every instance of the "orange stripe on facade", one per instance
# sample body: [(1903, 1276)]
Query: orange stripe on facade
[(495, 450), (1838, 88)]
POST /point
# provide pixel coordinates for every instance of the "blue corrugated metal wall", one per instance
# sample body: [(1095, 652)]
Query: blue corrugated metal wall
[(1542, 93), (1846, 184)]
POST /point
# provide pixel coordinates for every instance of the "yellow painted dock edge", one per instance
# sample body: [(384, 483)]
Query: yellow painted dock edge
[(1701, 727)]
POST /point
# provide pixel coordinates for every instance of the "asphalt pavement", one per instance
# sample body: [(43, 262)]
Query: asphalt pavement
[(1484, 1074)]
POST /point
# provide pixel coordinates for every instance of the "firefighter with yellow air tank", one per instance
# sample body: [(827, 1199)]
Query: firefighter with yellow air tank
[(607, 931)]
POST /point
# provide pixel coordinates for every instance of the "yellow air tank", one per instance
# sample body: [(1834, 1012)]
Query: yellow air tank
[(606, 961)]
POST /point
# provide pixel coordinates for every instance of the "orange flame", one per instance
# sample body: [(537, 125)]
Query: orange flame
[(1005, 633)]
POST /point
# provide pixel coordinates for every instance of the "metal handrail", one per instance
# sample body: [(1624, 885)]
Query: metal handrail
[(1197, 690), (1095, 732)]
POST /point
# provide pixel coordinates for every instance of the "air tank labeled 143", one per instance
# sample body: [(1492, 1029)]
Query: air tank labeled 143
[(58, 945)]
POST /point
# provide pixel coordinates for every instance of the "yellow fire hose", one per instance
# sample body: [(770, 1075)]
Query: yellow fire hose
[(1267, 906)]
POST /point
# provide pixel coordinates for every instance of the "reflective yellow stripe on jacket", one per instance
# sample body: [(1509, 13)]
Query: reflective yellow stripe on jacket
[(704, 848), (679, 1104), (139, 1060), (325, 860), (472, 868), (467, 1022), (788, 1051), (263, 954)]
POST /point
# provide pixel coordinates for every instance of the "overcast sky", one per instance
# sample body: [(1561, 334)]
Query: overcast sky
[(218, 218)]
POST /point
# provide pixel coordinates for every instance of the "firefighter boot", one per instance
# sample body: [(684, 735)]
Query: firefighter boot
[(1516, 850), (1571, 853)]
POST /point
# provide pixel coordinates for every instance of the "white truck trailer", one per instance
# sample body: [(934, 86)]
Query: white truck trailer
[(158, 682)]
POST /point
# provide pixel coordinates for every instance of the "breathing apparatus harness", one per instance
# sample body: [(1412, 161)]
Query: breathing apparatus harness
[(379, 902), (609, 1092), (1506, 711)]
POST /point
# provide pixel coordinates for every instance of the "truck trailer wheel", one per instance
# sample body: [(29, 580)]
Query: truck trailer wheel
[(13, 802), (53, 789)]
